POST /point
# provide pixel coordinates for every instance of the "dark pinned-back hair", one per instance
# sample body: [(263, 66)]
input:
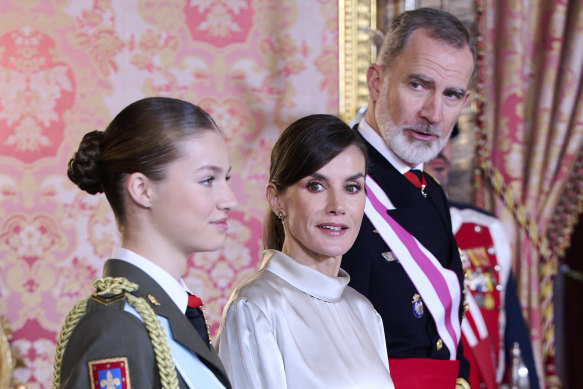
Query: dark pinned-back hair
[(144, 137), (304, 147)]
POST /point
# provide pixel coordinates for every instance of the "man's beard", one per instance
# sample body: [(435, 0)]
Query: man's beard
[(412, 151)]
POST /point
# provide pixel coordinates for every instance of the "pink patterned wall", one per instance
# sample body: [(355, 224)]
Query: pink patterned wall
[(67, 67)]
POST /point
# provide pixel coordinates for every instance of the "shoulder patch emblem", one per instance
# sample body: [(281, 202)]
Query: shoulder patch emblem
[(111, 373)]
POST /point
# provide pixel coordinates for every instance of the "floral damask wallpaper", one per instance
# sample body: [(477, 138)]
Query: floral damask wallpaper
[(68, 66)]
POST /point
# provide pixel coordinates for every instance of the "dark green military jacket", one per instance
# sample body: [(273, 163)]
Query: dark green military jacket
[(107, 334)]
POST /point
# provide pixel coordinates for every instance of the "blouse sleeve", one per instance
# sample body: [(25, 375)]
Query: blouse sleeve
[(381, 342), (382, 346), (248, 348)]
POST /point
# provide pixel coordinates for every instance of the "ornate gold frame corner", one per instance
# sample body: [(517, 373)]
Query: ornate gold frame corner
[(6, 361), (356, 53)]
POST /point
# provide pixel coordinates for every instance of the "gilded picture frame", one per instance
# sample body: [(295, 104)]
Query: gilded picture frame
[(356, 19), (6, 362)]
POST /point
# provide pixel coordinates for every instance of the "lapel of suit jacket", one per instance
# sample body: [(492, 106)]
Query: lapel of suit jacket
[(401, 193), (182, 329)]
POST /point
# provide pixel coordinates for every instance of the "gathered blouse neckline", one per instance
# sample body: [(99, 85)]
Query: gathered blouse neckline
[(304, 278)]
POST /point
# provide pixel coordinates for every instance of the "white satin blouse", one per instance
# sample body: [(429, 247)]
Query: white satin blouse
[(291, 326)]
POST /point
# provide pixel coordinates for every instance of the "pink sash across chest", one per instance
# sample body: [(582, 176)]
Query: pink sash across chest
[(439, 287)]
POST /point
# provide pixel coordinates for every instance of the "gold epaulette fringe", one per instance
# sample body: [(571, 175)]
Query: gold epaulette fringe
[(117, 286)]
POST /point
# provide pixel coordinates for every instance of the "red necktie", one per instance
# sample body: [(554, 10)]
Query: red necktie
[(417, 178), (193, 301), (196, 317)]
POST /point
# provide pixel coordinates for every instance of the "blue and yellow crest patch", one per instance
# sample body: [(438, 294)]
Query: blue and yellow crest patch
[(111, 373), (417, 306)]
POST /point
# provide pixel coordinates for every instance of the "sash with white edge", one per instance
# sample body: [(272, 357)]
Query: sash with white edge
[(439, 287), (475, 315), (479, 347), (194, 373)]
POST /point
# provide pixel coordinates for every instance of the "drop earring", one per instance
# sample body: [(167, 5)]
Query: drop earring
[(280, 215)]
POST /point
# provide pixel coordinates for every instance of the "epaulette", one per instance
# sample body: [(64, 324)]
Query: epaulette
[(109, 298), (109, 290)]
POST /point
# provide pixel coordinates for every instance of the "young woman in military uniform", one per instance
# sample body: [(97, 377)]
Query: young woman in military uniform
[(163, 166)]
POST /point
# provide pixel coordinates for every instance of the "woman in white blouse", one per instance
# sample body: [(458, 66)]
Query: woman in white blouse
[(296, 323)]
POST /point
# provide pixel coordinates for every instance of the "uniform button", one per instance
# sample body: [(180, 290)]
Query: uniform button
[(478, 229), (439, 344)]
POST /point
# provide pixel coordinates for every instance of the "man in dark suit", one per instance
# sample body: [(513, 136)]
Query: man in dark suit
[(129, 358), (405, 259)]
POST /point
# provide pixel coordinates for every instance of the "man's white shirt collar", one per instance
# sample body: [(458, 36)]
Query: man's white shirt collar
[(379, 144), (177, 290)]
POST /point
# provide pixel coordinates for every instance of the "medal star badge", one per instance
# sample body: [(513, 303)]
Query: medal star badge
[(111, 373)]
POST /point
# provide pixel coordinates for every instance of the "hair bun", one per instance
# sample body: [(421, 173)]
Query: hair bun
[(84, 167)]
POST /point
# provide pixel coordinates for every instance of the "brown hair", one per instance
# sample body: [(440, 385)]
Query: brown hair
[(303, 148), (439, 24), (142, 138)]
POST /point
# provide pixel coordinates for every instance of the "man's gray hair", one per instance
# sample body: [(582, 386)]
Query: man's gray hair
[(440, 25)]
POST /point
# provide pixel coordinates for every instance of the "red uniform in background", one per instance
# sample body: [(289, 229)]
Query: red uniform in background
[(493, 321), (486, 260)]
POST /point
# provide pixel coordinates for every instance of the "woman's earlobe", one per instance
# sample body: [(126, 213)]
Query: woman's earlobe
[(272, 196), (139, 191)]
